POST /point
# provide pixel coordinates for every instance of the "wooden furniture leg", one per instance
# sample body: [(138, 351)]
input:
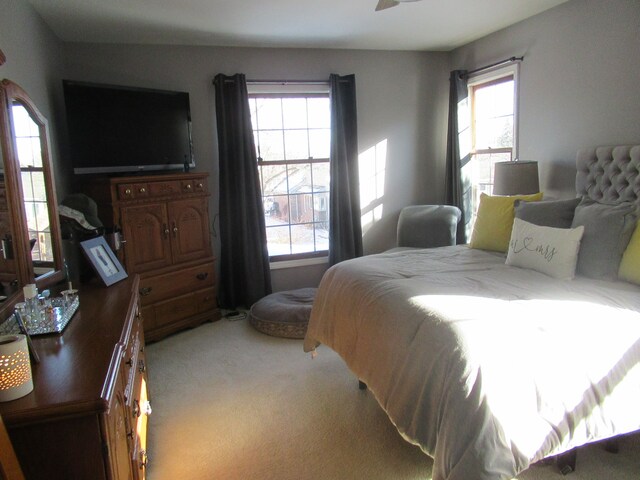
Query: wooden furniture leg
[(9, 466)]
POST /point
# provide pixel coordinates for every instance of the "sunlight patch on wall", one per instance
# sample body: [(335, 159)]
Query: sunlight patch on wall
[(372, 165)]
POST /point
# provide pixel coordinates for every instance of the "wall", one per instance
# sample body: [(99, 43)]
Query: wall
[(401, 100), (34, 61), (579, 81)]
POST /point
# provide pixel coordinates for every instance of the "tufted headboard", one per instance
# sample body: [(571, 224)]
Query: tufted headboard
[(610, 174)]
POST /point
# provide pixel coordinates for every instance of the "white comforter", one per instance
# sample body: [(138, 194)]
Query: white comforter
[(487, 367)]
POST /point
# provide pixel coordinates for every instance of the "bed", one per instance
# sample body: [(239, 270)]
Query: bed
[(490, 367)]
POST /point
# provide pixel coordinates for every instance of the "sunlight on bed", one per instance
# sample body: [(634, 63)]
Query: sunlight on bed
[(372, 164), (561, 359)]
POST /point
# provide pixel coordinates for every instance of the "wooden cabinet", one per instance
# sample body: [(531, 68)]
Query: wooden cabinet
[(86, 417), (165, 227)]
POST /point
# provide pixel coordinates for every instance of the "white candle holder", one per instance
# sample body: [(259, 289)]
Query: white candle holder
[(15, 368)]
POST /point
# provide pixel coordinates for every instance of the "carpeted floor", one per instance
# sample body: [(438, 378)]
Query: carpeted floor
[(230, 403)]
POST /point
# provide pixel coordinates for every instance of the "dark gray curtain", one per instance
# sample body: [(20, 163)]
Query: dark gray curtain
[(345, 229), (245, 276), (457, 187)]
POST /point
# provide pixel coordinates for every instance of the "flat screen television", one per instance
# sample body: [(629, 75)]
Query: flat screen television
[(114, 129)]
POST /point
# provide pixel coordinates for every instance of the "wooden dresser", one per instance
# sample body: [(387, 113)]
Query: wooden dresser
[(86, 417), (166, 233)]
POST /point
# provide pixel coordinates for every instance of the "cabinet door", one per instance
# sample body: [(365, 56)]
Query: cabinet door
[(189, 229), (117, 443), (147, 235)]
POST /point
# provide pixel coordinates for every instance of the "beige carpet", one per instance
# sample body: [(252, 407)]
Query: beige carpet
[(231, 403)]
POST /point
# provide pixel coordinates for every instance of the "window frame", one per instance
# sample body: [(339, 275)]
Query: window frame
[(283, 90), (494, 77), (490, 78)]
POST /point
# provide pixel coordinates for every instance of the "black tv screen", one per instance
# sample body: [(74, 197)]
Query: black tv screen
[(125, 129)]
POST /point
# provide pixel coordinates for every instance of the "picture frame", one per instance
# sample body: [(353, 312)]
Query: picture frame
[(103, 260)]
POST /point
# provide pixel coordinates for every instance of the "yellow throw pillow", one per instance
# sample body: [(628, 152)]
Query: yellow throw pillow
[(630, 263), (494, 221)]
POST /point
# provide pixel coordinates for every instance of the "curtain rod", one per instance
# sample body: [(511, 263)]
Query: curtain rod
[(487, 67)]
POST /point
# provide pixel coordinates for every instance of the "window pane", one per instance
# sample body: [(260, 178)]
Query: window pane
[(321, 209), (274, 179), (319, 143), (321, 177), (269, 113), (271, 145), (319, 112), (494, 133), (278, 241), (302, 238), (299, 178), (28, 149), (301, 208), (294, 112), (27, 188), (322, 236), (494, 100), (39, 188), (252, 110), (296, 145)]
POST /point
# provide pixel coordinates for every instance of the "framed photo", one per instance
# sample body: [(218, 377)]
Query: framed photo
[(103, 260)]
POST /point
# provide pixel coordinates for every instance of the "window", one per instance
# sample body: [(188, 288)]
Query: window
[(492, 123), (27, 137), (292, 136)]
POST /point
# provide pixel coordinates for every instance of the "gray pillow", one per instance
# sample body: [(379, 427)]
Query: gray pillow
[(607, 230), (550, 213)]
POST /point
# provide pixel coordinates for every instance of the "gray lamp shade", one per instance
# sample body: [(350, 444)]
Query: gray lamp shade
[(515, 178)]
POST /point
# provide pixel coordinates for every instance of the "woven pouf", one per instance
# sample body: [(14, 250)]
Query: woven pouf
[(283, 314)]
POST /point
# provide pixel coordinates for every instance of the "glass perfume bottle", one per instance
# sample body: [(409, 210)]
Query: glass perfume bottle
[(32, 307)]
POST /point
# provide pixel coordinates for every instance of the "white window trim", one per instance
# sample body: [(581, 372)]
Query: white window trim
[(499, 72), (283, 88), (301, 262)]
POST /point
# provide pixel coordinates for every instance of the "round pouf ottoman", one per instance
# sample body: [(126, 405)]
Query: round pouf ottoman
[(283, 314)]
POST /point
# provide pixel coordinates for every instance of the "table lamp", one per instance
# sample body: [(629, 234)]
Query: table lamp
[(519, 177)]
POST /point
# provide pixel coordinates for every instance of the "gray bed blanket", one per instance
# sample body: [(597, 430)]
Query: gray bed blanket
[(486, 367)]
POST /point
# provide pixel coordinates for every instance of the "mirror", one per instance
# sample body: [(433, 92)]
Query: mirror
[(31, 243)]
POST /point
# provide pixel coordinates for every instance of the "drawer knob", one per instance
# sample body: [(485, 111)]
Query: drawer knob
[(136, 408), (144, 291), (202, 275), (143, 190), (141, 366), (129, 362), (200, 185), (188, 186), (127, 191)]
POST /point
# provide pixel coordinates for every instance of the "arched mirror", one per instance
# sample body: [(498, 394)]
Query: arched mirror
[(31, 245)]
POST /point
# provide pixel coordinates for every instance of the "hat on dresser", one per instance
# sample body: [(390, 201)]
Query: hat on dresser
[(85, 205)]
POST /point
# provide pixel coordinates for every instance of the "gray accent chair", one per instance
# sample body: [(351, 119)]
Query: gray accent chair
[(427, 226)]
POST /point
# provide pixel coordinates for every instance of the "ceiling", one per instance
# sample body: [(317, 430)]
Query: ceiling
[(433, 25)]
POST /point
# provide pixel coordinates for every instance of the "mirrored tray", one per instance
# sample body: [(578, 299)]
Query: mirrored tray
[(55, 322)]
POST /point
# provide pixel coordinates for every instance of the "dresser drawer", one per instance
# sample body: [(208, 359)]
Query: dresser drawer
[(206, 300), (157, 288), (129, 191), (161, 189), (194, 185)]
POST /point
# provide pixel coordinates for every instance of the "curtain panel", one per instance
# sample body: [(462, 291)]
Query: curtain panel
[(457, 185), (244, 257), (345, 229)]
